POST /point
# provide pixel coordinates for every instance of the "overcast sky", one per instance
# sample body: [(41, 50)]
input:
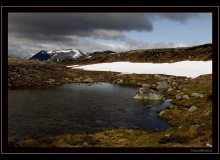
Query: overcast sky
[(29, 33)]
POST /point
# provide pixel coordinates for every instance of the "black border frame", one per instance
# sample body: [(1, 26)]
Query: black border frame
[(215, 41)]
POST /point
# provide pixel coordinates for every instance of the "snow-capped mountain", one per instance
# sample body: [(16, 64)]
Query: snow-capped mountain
[(58, 55), (66, 54)]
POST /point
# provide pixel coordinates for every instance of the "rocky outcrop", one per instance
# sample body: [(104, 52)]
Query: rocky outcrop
[(146, 93)]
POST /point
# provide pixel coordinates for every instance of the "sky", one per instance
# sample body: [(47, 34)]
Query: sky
[(29, 33)]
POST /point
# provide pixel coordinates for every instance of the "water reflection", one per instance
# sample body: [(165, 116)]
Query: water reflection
[(69, 109)]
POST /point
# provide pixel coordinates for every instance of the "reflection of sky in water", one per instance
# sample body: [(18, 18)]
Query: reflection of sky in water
[(71, 108)]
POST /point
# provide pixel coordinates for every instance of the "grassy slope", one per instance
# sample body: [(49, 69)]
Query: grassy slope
[(192, 129), (163, 55)]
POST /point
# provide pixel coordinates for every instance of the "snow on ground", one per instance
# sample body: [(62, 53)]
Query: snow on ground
[(190, 69)]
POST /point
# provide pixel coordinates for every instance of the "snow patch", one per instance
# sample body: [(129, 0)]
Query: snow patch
[(191, 69), (63, 50), (73, 66)]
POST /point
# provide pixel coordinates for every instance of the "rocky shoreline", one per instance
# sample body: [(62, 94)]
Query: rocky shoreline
[(32, 73)]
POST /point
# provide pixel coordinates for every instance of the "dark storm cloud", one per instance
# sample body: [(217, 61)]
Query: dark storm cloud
[(34, 25), (57, 26)]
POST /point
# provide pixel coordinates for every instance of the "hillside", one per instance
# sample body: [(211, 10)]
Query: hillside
[(25, 73), (161, 55)]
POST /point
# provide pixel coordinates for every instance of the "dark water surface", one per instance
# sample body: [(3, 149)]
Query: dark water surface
[(71, 108)]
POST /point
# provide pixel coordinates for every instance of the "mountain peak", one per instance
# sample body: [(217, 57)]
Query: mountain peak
[(58, 55), (65, 54)]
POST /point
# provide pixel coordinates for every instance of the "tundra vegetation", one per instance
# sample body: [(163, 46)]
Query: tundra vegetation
[(190, 115)]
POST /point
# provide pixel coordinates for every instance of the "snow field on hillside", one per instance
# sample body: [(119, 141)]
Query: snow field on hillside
[(191, 69)]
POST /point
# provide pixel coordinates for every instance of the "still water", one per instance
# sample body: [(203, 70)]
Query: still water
[(71, 108)]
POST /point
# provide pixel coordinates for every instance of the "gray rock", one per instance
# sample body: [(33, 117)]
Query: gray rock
[(146, 93), (132, 81), (193, 108), (193, 126), (186, 97), (52, 80), (167, 135), (197, 95), (170, 107), (146, 85), (118, 81), (75, 79), (170, 89), (182, 96), (161, 113), (162, 86), (88, 80)]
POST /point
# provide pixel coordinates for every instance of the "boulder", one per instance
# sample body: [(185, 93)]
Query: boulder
[(181, 96), (185, 97), (118, 81), (197, 95), (170, 107), (133, 81), (161, 113), (75, 79), (88, 80), (170, 89), (193, 108), (162, 86), (146, 93)]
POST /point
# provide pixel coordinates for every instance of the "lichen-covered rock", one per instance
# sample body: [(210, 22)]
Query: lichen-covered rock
[(193, 108), (197, 95), (118, 81), (146, 85), (181, 96), (88, 80), (163, 86), (146, 93)]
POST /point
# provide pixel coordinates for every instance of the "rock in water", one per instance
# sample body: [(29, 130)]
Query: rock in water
[(146, 93)]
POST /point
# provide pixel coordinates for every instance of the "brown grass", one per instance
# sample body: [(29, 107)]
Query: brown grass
[(190, 129)]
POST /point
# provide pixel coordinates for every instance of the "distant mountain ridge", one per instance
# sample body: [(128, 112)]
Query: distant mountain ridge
[(65, 54)]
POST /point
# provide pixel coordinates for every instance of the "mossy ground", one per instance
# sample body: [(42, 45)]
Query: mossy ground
[(190, 129)]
